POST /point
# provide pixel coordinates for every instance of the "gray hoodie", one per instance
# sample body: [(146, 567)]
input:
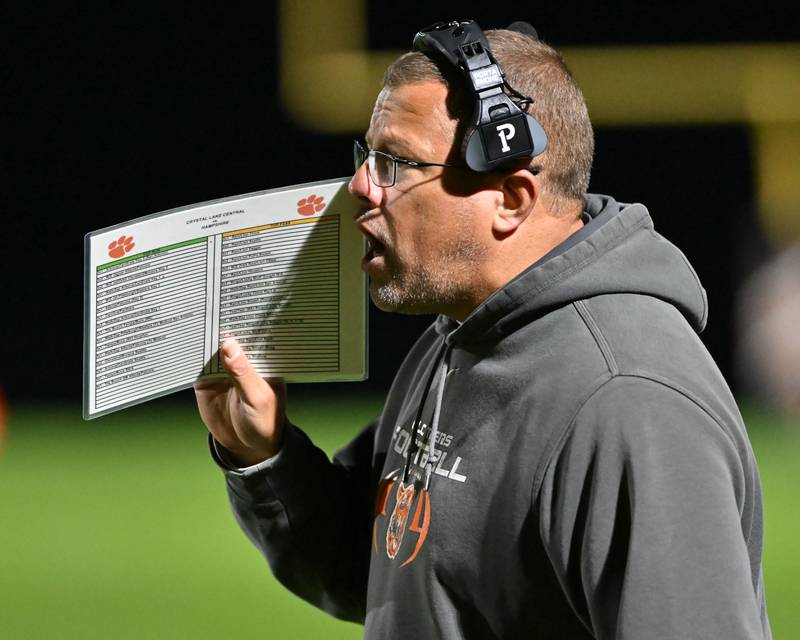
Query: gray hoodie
[(578, 468)]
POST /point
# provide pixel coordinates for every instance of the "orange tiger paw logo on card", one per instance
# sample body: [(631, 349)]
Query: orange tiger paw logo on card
[(119, 247), (310, 205)]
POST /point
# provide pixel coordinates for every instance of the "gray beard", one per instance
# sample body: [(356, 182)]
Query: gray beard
[(427, 288)]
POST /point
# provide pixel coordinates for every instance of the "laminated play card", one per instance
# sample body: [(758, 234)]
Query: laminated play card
[(278, 269)]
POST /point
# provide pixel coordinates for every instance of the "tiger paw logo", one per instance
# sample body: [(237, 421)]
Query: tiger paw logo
[(310, 205), (408, 500), (119, 247)]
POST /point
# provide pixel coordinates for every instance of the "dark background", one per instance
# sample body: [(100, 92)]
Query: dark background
[(113, 113)]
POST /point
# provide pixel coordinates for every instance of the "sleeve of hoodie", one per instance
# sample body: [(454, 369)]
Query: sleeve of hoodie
[(310, 517), (640, 513)]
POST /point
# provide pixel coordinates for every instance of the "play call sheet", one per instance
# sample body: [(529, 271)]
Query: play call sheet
[(279, 270)]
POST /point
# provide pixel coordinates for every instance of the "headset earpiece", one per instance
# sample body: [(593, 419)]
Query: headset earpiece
[(483, 143), (500, 131)]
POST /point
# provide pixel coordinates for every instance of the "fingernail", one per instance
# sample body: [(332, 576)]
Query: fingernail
[(231, 349)]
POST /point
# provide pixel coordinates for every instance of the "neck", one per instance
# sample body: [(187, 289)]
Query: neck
[(511, 255)]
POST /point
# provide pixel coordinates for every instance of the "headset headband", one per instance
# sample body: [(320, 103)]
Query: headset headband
[(499, 130)]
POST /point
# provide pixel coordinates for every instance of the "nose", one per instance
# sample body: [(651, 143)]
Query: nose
[(362, 187)]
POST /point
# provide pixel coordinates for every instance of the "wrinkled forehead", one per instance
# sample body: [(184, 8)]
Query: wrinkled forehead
[(413, 119)]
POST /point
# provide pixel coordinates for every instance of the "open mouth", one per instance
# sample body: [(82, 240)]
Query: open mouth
[(375, 248), (375, 256)]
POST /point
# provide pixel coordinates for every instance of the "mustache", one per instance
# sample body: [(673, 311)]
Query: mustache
[(373, 235)]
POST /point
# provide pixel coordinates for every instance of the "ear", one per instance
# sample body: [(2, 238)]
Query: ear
[(519, 193)]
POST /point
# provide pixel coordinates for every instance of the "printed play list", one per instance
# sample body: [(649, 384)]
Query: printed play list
[(279, 270)]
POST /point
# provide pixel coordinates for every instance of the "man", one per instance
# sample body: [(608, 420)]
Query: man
[(558, 456)]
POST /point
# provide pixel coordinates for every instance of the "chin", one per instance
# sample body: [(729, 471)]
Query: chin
[(384, 297), (390, 297)]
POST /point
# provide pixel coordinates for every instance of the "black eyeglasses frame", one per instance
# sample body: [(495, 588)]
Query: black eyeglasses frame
[(362, 153)]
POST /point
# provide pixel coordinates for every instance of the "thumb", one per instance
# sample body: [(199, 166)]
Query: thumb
[(250, 384)]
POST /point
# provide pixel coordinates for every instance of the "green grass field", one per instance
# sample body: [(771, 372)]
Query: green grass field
[(120, 528)]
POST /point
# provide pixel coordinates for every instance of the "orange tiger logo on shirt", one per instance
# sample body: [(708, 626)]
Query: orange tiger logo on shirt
[(406, 497)]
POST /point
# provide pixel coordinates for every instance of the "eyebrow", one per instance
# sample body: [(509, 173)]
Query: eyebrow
[(392, 147), (401, 151)]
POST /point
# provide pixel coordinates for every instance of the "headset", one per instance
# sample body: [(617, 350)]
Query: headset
[(499, 130)]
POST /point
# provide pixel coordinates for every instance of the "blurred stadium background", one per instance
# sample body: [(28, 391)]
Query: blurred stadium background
[(120, 527)]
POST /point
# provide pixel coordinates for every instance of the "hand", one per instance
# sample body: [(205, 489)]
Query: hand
[(244, 415)]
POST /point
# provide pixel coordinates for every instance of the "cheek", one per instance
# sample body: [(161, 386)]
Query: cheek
[(407, 243), (421, 234), (421, 223), (403, 224)]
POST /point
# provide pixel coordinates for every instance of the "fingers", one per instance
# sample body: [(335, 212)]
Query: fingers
[(251, 385), (246, 413)]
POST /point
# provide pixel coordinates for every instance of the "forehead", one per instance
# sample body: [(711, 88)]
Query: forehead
[(412, 117)]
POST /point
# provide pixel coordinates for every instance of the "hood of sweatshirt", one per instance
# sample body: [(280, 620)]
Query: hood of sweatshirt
[(606, 256)]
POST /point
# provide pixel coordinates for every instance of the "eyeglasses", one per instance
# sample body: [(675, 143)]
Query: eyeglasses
[(383, 166)]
